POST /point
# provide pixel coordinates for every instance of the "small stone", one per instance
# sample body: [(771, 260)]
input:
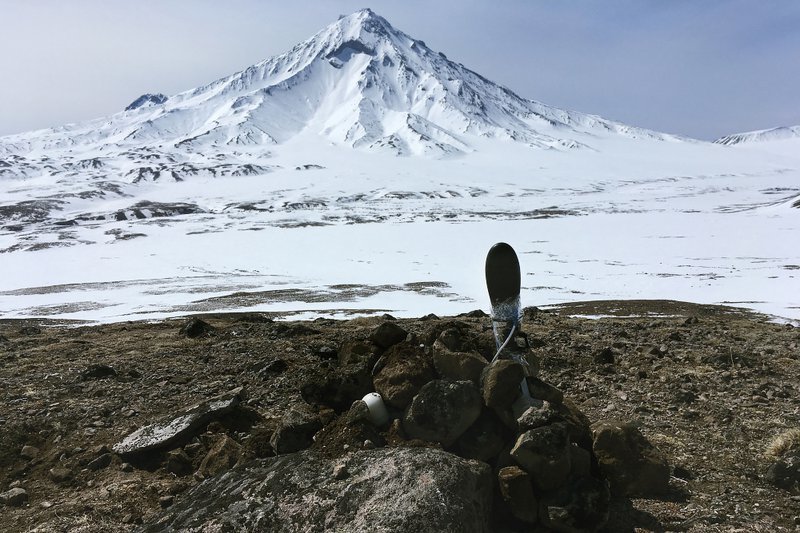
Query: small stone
[(100, 463), (15, 497), (538, 415), (166, 501), (340, 471), (222, 456), (451, 340), (98, 371), (368, 445), (29, 452), (59, 474), (458, 366), (178, 463), (785, 472), (196, 328), (126, 467), (604, 357)]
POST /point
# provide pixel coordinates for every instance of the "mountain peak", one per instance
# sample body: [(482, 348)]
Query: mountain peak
[(360, 83)]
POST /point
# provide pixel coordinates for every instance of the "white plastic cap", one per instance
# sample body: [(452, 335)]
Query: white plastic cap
[(378, 414)]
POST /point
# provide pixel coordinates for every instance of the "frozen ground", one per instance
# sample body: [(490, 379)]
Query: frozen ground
[(408, 236)]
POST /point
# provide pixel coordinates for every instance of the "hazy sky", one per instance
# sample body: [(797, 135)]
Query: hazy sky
[(701, 68)]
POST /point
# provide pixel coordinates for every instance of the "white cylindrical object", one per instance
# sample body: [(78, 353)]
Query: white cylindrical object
[(378, 414)]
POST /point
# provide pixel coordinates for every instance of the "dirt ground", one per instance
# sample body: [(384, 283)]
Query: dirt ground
[(709, 386)]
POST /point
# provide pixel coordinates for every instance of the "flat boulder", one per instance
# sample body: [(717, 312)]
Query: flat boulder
[(384, 490), (181, 426)]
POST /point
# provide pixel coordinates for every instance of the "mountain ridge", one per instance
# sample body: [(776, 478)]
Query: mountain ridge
[(755, 136)]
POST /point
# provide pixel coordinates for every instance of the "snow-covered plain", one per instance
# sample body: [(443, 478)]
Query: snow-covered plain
[(363, 173)]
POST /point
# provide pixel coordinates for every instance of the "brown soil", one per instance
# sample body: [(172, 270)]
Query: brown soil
[(709, 386)]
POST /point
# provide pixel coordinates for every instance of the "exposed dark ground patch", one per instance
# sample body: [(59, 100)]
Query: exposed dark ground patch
[(709, 385)]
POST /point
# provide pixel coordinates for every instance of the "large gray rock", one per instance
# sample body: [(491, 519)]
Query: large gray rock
[(385, 490), (442, 411), (180, 427)]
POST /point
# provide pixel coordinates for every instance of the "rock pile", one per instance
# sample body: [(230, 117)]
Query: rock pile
[(528, 460), (539, 447)]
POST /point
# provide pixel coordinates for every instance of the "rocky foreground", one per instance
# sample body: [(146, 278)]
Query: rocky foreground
[(660, 416)]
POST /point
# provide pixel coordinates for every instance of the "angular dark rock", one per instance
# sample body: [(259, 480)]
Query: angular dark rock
[(442, 411), (405, 368), (182, 426), (98, 371), (537, 415), (296, 430), (196, 328), (458, 366), (100, 462), (222, 456), (545, 454), (386, 489), (542, 390), (517, 491), (340, 388), (632, 465), (581, 506), (178, 463), (388, 334), (500, 383), (605, 356), (451, 339), (785, 472), (484, 439), (354, 351)]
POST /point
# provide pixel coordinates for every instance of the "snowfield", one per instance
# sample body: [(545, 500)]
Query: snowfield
[(362, 172)]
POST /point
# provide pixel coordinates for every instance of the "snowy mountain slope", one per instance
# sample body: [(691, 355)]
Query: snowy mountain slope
[(280, 188), (772, 134)]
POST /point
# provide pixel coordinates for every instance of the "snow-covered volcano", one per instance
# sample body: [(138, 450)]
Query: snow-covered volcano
[(363, 171), (358, 83)]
